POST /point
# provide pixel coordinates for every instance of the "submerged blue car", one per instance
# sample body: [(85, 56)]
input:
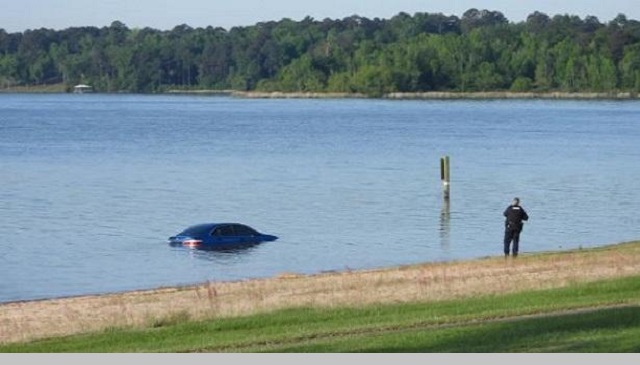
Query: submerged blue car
[(214, 235)]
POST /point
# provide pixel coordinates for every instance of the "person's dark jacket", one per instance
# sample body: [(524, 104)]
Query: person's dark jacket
[(515, 215)]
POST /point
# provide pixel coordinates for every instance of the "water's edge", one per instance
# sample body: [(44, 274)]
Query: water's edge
[(427, 95)]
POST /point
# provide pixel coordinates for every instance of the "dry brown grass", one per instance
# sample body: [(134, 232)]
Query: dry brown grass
[(23, 321)]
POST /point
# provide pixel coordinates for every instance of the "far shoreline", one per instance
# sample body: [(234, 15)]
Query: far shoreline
[(427, 95), (443, 95)]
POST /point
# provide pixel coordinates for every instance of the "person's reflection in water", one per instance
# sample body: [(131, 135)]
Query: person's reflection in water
[(445, 224)]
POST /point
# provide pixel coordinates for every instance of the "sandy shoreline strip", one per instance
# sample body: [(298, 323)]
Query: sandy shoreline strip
[(442, 95), (426, 95), (28, 320)]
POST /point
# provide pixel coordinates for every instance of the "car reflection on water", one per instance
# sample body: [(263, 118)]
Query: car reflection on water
[(219, 254)]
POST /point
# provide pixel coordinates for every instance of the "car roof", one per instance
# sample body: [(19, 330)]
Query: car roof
[(213, 225), (199, 229)]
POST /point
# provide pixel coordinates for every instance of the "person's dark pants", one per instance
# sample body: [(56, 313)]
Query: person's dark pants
[(510, 235)]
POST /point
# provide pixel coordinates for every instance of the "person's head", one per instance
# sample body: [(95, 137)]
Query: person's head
[(515, 202)]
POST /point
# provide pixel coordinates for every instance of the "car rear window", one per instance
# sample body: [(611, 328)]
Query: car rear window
[(241, 230), (198, 230)]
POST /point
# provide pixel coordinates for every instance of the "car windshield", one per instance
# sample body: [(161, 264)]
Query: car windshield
[(198, 230)]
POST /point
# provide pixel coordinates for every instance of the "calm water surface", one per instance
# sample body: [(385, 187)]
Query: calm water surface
[(91, 186)]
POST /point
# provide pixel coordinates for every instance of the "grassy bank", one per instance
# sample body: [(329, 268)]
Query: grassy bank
[(202, 317), (594, 317)]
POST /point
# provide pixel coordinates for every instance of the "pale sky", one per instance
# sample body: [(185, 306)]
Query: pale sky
[(20, 15)]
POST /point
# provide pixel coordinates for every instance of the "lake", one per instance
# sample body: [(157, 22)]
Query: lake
[(92, 185)]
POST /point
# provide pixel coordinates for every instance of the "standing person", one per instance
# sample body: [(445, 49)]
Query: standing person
[(515, 215)]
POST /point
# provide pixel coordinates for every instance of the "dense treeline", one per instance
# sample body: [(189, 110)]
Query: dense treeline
[(480, 51)]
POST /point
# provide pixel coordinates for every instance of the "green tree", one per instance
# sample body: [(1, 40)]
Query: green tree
[(481, 50), (8, 70), (630, 68), (301, 76), (601, 73)]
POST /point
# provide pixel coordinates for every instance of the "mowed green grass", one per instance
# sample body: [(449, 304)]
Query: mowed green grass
[(596, 317)]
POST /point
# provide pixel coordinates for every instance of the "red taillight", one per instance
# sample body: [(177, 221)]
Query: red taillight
[(191, 243)]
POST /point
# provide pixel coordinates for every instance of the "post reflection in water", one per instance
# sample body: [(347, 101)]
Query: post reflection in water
[(445, 224)]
